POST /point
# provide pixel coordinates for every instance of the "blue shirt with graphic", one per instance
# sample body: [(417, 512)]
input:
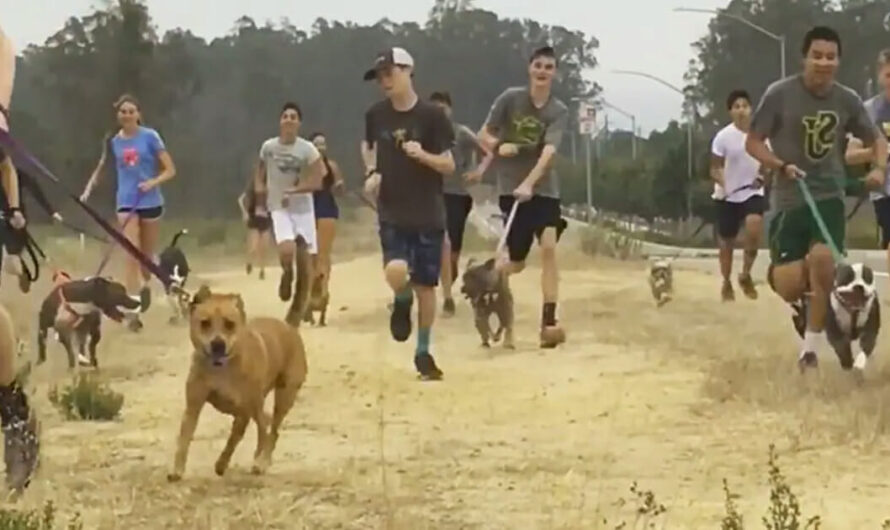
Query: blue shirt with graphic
[(137, 159)]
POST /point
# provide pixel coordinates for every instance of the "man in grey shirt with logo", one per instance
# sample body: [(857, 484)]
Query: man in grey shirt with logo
[(806, 117), (524, 129)]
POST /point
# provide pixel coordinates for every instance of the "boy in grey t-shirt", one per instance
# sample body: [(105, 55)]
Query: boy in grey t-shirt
[(805, 117), (524, 128), (288, 171), (458, 201)]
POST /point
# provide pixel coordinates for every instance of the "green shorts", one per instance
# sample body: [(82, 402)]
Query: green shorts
[(793, 232)]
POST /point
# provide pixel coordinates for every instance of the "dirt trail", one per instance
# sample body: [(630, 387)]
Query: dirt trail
[(675, 399)]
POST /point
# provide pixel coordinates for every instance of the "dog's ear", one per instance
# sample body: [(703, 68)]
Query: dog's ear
[(201, 296), (470, 263), (489, 263)]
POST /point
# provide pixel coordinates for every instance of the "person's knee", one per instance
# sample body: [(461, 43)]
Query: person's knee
[(396, 272), (821, 263)]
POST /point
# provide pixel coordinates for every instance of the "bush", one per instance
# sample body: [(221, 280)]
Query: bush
[(87, 399), (35, 520)]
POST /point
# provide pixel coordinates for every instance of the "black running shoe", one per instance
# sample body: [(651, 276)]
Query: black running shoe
[(426, 367), (400, 319), (284, 288), (807, 360)]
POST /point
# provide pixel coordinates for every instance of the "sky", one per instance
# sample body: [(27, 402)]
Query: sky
[(642, 35)]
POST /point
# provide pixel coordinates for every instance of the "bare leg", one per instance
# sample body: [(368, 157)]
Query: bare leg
[(753, 231)]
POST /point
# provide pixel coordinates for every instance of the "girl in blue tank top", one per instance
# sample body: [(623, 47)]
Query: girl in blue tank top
[(141, 163)]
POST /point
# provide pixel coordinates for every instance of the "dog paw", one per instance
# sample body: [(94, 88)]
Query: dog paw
[(174, 477), (220, 467), (258, 468), (486, 345), (861, 361)]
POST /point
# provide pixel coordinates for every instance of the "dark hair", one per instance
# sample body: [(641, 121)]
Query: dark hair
[(735, 95), (131, 99), (544, 51), (821, 33), (315, 135), (884, 58), (441, 97), (290, 105)]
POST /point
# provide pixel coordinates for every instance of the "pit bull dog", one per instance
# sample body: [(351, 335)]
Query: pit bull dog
[(74, 308), (235, 364), (489, 292), (174, 264), (854, 316)]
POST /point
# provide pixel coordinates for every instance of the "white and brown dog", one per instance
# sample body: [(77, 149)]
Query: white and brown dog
[(854, 315), (661, 280)]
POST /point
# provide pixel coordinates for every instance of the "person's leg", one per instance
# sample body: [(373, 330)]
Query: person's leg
[(520, 237), (285, 239), (447, 277), (129, 224), (425, 267), (149, 234), (327, 231), (396, 253), (820, 260), (753, 210), (882, 215), (264, 243), (728, 225), (548, 217), (253, 243)]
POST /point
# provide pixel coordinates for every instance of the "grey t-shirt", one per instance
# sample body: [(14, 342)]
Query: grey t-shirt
[(809, 131), (284, 165), (464, 149), (878, 109), (514, 119)]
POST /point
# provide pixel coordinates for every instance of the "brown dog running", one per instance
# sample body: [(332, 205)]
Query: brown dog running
[(235, 364), (319, 298)]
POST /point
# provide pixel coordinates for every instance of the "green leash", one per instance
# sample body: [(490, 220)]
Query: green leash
[(808, 197)]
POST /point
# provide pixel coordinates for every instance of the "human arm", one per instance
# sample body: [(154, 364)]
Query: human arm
[(339, 182), (874, 143), (314, 175), (440, 141), (857, 153), (492, 129), (96, 175), (718, 160), (765, 121), (552, 139), (242, 204), (168, 169)]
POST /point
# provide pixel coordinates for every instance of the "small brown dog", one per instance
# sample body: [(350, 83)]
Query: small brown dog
[(488, 292), (319, 297), (235, 364), (661, 281)]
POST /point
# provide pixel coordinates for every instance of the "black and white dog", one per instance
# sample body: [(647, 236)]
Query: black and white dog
[(174, 264), (74, 308), (854, 315)]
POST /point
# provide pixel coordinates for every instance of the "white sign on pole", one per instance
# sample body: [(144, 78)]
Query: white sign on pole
[(586, 119)]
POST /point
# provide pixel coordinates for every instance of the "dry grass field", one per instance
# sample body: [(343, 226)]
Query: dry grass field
[(675, 399)]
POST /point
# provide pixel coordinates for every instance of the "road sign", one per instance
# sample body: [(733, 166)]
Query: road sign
[(586, 118)]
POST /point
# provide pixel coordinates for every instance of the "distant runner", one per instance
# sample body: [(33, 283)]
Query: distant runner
[(259, 226), (458, 201), (740, 200)]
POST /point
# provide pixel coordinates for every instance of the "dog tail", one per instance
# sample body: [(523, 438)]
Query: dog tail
[(177, 236), (304, 280)]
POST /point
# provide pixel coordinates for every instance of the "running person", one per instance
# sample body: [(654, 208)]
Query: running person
[(458, 201), (407, 153), (878, 109), (740, 198), (806, 117), (256, 219), (289, 170), (525, 127), (142, 164), (326, 210)]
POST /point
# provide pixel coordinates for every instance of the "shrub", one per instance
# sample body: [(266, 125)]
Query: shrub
[(87, 399)]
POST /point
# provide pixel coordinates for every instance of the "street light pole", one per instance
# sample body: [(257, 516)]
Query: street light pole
[(745, 21), (689, 126)]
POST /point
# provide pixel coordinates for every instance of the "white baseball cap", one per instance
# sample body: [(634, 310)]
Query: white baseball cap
[(391, 57)]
